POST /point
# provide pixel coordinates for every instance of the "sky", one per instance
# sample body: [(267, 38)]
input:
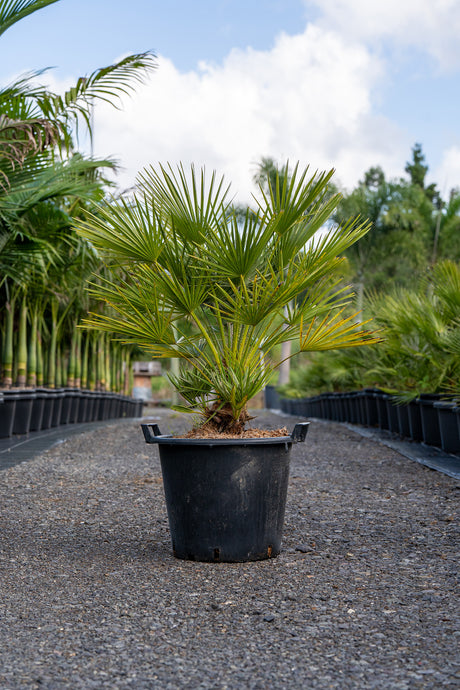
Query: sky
[(344, 84)]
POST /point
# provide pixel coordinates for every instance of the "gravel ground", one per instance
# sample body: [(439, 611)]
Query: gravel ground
[(362, 595)]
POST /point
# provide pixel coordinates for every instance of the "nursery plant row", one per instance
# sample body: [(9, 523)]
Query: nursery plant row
[(431, 419), (37, 409)]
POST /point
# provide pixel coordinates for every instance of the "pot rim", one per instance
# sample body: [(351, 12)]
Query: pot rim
[(152, 434)]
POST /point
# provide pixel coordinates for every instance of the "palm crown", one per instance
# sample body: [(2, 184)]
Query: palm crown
[(220, 292)]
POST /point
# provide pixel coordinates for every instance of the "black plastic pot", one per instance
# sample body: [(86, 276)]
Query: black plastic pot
[(447, 418), (403, 419), (298, 407), (353, 408), (346, 408), (370, 407), (123, 406), (430, 422), (415, 421), (392, 412), (104, 407), (334, 406), (23, 413), (58, 395), (7, 413), (48, 407), (272, 398), (326, 406), (130, 407), (82, 407), (74, 406), (90, 406), (225, 497), (382, 412), (38, 409), (98, 406), (285, 404), (342, 413), (67, 402)]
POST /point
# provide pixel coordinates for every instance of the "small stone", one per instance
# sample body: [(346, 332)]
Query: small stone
[(269, 617)]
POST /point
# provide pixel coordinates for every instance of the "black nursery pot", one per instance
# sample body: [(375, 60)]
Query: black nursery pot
[(450, 437), (75, 406), (58, 395), (392, 413), (430, 421), (225, 497), (403, 419), (382, 412), (415, 421), (38, 409), (7, 412), (49, 406), (272, 398), (370, 407), (23, 414)]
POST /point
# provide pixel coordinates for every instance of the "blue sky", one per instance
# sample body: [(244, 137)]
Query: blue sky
[(342, 83)]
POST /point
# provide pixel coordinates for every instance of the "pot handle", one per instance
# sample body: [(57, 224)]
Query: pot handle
[(150, 432), (299, 432)]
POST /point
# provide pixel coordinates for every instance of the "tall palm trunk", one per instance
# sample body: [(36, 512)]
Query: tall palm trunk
[(32, 355), (78, 357), (22, 345), (8, 349), (92, 363), (126, 371), (85, 363), (40, 359), (52, 352), (101, 373)]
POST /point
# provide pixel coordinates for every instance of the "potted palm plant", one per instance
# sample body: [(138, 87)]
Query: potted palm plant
[(220, 291)]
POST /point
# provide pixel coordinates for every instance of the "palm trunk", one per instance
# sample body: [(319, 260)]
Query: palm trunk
[(51, 375), (8, 349), (22, 345), (108, 379), (85, 363), (72, 361), (101, 378), (285, 366), (60, 376), (78, 358), (92, 364), (40, 358), (126, 372), (32, 356)]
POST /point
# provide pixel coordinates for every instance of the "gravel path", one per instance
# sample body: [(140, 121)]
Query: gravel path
[(362, 595)]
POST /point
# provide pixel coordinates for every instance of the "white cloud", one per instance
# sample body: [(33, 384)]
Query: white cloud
[(447, 175), (308, 99), (432, 26)]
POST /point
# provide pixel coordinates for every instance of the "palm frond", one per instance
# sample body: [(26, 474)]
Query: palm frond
[(12, 11)]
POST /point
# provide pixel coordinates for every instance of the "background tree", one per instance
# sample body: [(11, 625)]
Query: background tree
[(399, 244), (44, 185)]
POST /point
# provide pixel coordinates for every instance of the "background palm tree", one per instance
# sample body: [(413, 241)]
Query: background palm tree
[(44, 184)]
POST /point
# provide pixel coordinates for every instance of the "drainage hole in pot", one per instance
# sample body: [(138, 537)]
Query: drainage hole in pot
[(216, 554)]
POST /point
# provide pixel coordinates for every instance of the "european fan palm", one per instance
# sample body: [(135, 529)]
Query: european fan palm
[(220, 294), (421, 334)]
